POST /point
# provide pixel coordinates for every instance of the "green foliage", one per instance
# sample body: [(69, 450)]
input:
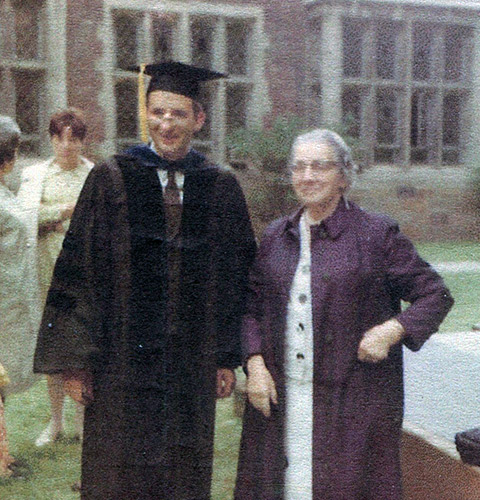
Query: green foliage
[(266, 147), (269, 147)]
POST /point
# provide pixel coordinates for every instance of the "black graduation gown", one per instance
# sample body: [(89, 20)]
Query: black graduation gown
[(149, 432)]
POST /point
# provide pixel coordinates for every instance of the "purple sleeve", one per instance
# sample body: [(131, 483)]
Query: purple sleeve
[(252, 337), (415, 281)]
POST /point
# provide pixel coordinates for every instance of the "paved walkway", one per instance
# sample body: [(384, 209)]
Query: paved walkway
[(469, 266)]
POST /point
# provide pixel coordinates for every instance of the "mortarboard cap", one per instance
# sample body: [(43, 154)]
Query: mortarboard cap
[(178, 77), (170, 76)]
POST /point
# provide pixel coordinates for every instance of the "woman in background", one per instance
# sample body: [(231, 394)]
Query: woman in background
[(19, 310), (49, 192), (323, 338)]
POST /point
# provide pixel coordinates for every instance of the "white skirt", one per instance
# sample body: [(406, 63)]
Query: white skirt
[(298, 440)]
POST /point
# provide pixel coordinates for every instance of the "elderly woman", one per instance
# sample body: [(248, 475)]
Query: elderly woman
[(49, 191), (323, 339), (19, 312)]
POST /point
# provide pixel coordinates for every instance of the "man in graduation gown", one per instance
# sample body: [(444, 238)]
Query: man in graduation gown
[(142, 318)]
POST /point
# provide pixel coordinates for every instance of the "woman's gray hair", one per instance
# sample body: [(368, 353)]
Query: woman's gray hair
[(9, 138), (343, 154)]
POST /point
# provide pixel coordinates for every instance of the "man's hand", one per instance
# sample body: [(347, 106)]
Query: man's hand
[(260, 385), (225, 382), (79, 386), (376, 342)]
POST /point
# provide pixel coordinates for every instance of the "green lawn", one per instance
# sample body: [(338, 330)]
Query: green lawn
[(449, 251), (53, 469)]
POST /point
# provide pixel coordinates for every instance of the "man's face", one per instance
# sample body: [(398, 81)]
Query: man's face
[(316, 177), (172, 123)]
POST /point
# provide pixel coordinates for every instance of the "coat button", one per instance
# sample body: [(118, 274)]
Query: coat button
[(300, 356), (302, 298), (301, 327), (305, 269), (328, 338), (322, 233)]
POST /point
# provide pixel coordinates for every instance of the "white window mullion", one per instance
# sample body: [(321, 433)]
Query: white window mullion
[(182, 49), (219, 122)]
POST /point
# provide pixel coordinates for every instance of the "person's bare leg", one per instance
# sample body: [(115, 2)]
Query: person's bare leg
[(57, 396), (78, 420)]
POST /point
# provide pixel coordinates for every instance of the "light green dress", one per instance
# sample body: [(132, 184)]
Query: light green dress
[(60, 187)]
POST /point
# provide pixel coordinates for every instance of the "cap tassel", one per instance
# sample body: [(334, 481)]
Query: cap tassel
[(142, 104)]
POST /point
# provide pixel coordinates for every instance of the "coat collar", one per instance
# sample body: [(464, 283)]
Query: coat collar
[(330, 228), (149, 158)]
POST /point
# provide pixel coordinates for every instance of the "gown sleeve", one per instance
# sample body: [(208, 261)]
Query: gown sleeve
[(71, 328), (235, 251)]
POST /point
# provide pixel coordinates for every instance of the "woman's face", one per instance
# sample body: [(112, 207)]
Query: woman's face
[(67, 148), (316, 176)]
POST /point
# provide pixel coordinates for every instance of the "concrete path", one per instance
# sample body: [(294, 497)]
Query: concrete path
[(469, 266)]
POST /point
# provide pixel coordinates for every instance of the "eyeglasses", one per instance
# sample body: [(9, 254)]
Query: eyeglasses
[(316, 166)]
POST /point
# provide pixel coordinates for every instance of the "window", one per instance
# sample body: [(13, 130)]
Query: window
[(386, 107), (458, 42), (202, 41), (164, 26), (126, 26), (386, 50), (206, 35), (23, 68), (422, 52), (238, 50), (402, 81), (352, 104), (452, 126), (353, 47)]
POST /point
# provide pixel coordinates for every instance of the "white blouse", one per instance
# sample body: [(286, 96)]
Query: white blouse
[(299, 330)]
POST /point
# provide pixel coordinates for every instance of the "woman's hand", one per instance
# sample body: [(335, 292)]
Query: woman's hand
[(377, 341), (260, 385)]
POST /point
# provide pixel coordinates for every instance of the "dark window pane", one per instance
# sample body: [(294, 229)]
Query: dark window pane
[(385, 155), (387, 117), (386, 50), (125, 27), (452, 105), (352, 47), (352, 110), (29, 93), (237, 103), (421, 113), (238, 37), (205, 98), (163, 31), (422, 52), (202, 36), (27, 28), (457, 53), (450, 157), (126, 106)]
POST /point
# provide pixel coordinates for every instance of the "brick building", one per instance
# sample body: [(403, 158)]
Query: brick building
[(405, 74)]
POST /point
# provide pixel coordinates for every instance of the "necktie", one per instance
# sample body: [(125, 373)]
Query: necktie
[(173, 206), (172, 194)]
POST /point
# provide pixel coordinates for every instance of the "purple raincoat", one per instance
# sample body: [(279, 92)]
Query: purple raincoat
[(362, 267)]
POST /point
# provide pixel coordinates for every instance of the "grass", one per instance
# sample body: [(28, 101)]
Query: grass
[(52, 470), (449, 251)]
